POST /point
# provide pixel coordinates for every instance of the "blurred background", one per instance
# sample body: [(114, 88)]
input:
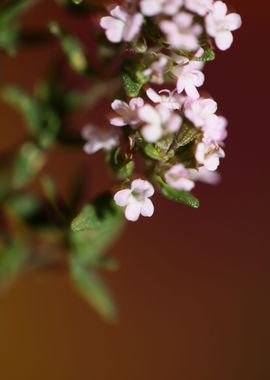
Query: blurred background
[(193, 287)]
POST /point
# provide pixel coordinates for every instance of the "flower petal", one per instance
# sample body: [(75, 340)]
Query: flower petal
[(121, 198), (148, 114), (117, 122), (143, 187), (224, 40), (133, 211), (147, 209), (153, 95), (151, 132)]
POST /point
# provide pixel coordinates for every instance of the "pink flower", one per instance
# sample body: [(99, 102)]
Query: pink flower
[(204, 175), (156, 70), (121, 25), (181, 32), (165, 97), (157, 121), (99, 139), (219, 25), (189, 78), (136, 200), (154, 7), (209, 154), (215, 129), (200, 111), (127, 112), (201, 7), (177, 177)]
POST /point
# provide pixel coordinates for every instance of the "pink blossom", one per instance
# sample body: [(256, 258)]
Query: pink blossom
[(154, 7), (201, 7), (157, 121), (181, 32), (127, 112), (204, 175), (219, 25), (200, 111), (165, 97), (98, 139), (156, 70), (189, 77), (178, 178), (136, 200), (209, 154), (215, 129), (121, 25)]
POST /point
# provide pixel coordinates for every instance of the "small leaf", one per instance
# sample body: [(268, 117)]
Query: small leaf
[(180, 196), (10, 31), (24, 205), (29, 161), (98, 214), (155, 152), (133, 77), (94, 230), (42, 122), (187, 134), (152, 152), (92, 287), (132, 87), (28, 106), (209, 55), (72, 47)]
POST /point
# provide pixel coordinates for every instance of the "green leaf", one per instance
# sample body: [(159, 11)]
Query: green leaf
[(132, 87), (95, 229), (27, 105), (92, 287), (180, 196), (72, 48), (133, 77), (100, 213), (209, 55), (29, 161), (152, 152), (187, 134), (10, 31), (156, 152), (13, 9), (24, 205), (42, 122)]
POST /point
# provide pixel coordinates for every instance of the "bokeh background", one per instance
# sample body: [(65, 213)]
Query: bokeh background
[(193, 288)]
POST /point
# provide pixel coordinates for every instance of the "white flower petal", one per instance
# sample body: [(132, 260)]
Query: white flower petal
[(153, 95), (149, 114), (143, 187), (133, 211), (147, 209), (92, 147), (121, 198), (224, 40), (234, 21), (132, 27)]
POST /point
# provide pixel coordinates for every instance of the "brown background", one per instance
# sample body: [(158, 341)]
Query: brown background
[(193, 289)]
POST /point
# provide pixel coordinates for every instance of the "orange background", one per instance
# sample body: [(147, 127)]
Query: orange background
[(193, 288)]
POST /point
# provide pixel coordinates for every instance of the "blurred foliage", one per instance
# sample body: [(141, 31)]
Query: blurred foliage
[(35, 230), (10, 28)]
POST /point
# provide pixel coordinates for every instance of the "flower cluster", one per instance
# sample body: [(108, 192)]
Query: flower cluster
[(177, 132)]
